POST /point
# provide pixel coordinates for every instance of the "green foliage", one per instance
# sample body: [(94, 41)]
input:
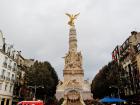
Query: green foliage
[(42, 74), (61, 101), (108, 76), (52, 101)]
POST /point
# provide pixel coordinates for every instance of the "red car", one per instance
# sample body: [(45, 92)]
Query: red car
[(31, 103)]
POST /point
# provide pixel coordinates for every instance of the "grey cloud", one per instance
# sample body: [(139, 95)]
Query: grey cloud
[(39, 28)]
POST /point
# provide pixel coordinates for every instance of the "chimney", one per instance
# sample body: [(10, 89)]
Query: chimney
[(134, 33), (19, 52), (4, 45), (1, 40)]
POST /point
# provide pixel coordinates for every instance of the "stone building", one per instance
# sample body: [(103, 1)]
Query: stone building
[(138, 56), (128, 55), (8, 71), (12, 70), (74, 89), (22, 64)]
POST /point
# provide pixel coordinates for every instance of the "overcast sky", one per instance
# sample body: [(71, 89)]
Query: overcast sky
[(39, 29)]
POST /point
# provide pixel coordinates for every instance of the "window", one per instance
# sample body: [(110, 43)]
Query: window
[(5, 62), (12, 76), (10, 88), (8, 51), (0, 86), (6, 58), (15, 67), (3, 72), (8, 74), (123, 45), (138, 46), (127, 41), (20, 62), (10, 62), (5, 87), (2, 76)]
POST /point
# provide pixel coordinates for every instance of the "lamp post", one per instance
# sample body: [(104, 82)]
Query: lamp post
[(35, 87), (118, 90), (35, 93)]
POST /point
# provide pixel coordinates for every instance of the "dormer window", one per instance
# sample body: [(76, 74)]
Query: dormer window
[(9, 66), (13, 54), (14, 67), (8, 51), (138, 47), (5, 62), (127, 41)]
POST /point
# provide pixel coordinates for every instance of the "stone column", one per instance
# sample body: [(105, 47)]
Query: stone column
[(72, 40), (0, 100), (10, 101), (5, 100)]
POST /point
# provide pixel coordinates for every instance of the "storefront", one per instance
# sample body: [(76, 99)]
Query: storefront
[(5, 100)]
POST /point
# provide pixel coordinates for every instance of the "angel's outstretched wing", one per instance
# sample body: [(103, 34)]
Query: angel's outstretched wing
[(68, 14), (75, 16)]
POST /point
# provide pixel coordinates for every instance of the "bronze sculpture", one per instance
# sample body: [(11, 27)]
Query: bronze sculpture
[(72, 17)]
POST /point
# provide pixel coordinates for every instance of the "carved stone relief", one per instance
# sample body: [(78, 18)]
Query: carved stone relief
[(73, 60)]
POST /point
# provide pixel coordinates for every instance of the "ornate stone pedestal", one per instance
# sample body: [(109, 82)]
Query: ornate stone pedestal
[(73, 97), (73, 88)]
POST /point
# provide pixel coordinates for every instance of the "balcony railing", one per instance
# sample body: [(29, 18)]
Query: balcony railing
[(12, 80), (7, 79), (2, 77), (5, 64), (123, 49)]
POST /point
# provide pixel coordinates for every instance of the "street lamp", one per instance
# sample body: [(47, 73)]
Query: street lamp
[(35, 87), (118, 90)]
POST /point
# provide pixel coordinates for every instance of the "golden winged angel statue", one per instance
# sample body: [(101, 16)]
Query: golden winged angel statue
[(72, 17)]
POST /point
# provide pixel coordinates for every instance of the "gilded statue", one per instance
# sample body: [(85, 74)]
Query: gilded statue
[(72, 17)]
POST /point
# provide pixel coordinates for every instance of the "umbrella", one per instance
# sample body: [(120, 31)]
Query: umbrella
[(111, 100)]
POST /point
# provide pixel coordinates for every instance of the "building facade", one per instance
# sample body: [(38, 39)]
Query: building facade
[(20, 84), (8, 71), (128, 55)]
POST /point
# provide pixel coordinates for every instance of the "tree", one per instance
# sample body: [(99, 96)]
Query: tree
[(42, 75), (108, 76), (61, 101), (99, 86)]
